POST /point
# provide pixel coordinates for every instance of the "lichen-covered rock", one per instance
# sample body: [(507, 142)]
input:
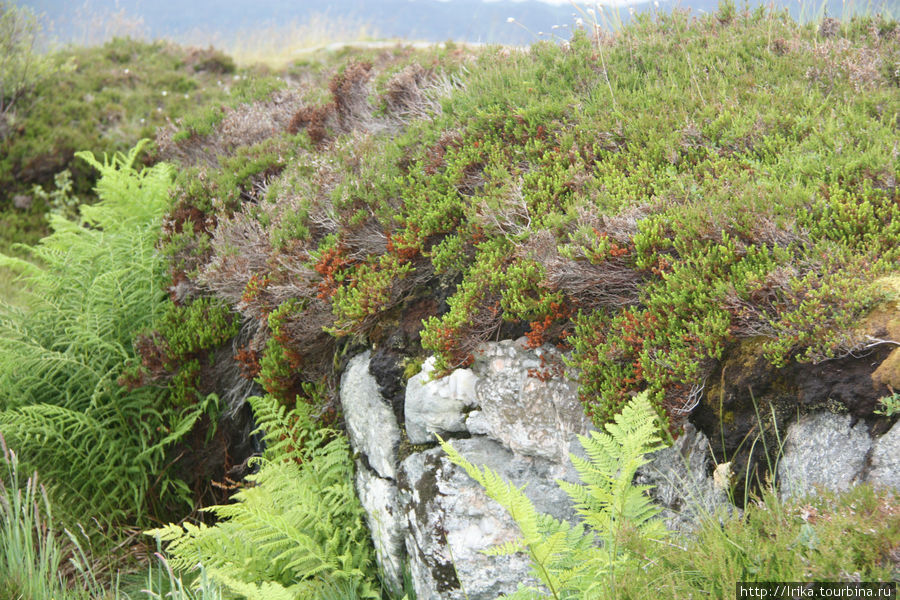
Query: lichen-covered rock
[(438, 405), (523, 414), (451, 519), (681, 476), (822, 449), (371, 424), (526, 402), (747, 400), (885, 462), (380, 500)]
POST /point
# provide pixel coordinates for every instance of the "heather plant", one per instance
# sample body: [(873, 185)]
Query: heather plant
[(178, 349), (552, 198)]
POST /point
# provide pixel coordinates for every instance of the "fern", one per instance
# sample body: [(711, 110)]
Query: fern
[(92, 285), (573, 561), (298, 531)]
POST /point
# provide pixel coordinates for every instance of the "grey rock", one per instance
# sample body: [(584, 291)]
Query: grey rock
[(437, 405), (531, 415), (682, 481), (371, 424), (477, 423), (380, 499), (885, 461), (451, 519), (821, 449)]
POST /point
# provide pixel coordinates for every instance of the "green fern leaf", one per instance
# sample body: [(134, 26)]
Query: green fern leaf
[(568, 560)]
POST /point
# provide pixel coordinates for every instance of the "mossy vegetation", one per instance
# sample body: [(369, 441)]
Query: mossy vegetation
[(644, 198)]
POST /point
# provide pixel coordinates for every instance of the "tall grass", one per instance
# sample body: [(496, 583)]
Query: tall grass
[(30, 554), (277, 45)]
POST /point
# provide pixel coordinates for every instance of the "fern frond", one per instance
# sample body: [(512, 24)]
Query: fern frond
[(298, 527), (567, 560), (93, 286), (608, 500)]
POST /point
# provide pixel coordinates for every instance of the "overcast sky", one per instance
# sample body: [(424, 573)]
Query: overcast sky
[(210, 21)]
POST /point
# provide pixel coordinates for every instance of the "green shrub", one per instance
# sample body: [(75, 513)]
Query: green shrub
[(179, 345), (552, 197)]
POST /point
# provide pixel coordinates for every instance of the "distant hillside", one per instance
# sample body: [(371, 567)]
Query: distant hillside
[(429, 20)]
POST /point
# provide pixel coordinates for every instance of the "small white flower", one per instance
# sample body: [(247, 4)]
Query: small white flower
[(127, 71), (237, 77), (165, 93), (579, 22), (143, 120), (540, 33), (656, 3), (510, 19), (555, 27), (187, 97), (630, 10), (591, 11)]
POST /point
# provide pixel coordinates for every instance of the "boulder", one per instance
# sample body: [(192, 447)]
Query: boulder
[(885, 462), (380, 499), (748, 405), (527, 404), (371, 424), (451, 519), (521, 414), (823, 450), (682, 481), (438, 405)]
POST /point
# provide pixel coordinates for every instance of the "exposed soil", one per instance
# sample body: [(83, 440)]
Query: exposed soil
[(749, 404)]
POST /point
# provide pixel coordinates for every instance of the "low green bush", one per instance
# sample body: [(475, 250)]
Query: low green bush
[(545, 192)]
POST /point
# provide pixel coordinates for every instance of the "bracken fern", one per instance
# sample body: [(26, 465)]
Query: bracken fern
[(92, 286), (298, 531), (582, 561)]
